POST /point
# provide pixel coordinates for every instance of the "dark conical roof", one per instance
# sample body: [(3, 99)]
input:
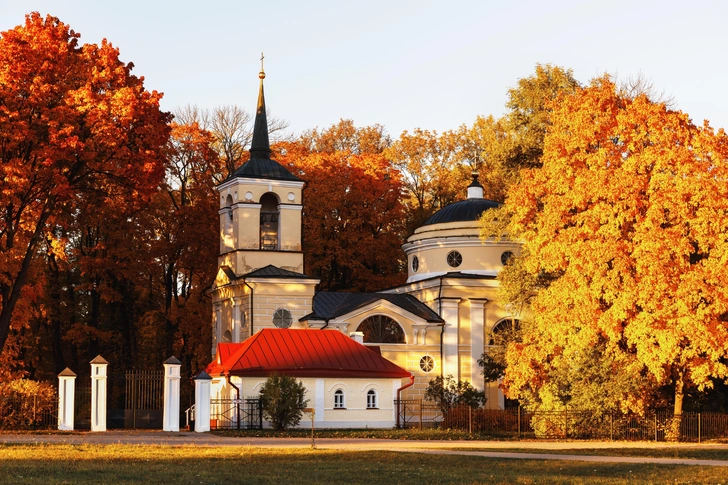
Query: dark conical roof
[(465, 210), (260, 165)]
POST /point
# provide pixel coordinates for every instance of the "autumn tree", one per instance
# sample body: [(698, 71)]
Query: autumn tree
[(74, 122), (353, 223), (628, 215), (232, 129)]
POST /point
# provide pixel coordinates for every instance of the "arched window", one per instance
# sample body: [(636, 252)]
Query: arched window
[(227, 336), (339, 402), (269, 217), (371, 399), (504, 331), (380, 329)]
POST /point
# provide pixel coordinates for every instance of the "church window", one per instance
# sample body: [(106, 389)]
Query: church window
[(505, 257), (427, 363), (371, 399), (454, 259), (227, 336), (380, 329), (504, 331), (282, 318), (269, 216), (339, 399), (415, 264)]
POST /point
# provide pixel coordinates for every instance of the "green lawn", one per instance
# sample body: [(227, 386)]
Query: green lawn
[(120, 464)]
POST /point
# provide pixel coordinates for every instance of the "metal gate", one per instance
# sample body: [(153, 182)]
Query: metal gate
[(144, 399)]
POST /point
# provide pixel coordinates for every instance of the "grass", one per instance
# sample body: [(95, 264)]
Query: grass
[(689, 453), (122, 464), (391, 434)]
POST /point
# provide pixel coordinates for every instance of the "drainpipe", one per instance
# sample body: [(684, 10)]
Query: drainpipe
[(399, 393), (252, 312), (229, 381), (237, 401)]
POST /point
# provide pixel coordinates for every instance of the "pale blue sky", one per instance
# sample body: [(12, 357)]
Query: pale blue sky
[(433, 65)]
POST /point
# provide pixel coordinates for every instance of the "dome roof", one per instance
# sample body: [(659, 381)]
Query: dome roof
[(264, 168), (465, 210)]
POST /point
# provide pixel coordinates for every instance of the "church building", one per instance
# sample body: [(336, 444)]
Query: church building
[(438, 323)]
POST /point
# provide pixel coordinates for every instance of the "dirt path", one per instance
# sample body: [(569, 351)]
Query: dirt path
[(408, 446)]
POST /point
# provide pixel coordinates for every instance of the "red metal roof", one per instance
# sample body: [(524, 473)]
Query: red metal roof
[(301, 353)]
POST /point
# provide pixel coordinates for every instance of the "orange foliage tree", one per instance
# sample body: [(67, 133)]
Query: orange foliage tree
[(73, 121), (353, 216), (628, 217)]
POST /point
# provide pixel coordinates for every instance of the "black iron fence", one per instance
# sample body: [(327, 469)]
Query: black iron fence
[(144, 398), (566, 424), (28, 412), (236, 414)]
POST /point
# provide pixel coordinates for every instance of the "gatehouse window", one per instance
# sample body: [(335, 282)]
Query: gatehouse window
[(371, 399), (269, 216), (380, 329), (339, 399), (282, 318)]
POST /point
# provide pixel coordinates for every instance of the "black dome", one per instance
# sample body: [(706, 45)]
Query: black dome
[(264, 168), (465, 210)]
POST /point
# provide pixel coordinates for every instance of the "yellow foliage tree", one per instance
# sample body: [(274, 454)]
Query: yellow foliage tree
[(629, 215)]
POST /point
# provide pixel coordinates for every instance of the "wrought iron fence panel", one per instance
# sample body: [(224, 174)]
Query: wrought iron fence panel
[(659, 425), (28, 412), (236, 414)]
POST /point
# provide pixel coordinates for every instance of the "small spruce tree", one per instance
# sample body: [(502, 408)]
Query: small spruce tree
[(282, 399)]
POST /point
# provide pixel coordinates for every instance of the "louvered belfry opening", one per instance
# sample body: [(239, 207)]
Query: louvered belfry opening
[(269, 217)]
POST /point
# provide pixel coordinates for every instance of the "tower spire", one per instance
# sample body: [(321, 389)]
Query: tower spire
[(260, 146)]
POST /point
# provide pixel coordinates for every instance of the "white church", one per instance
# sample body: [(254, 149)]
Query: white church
[(268, 316)]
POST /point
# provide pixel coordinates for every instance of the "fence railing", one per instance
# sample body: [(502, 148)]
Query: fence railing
[(28, 412), (236, 414), (566, 424)]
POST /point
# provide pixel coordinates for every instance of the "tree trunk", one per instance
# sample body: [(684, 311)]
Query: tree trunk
[(672, 433)]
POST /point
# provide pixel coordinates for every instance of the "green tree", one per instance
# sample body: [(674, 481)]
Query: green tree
[(283, 400)]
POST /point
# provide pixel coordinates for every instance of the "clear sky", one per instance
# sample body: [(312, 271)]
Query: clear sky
[(402, 64)]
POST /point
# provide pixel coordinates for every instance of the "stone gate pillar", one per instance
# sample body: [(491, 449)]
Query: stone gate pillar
[(202, 402), (171, 394), (98, 393), (66, 399)]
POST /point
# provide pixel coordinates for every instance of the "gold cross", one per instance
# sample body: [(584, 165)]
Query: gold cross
[(261, 61)]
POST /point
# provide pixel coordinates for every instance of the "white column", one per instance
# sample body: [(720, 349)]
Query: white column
[(320, 400), (477, 341), (66, 395), (202, 402), (98, 393), (450, 337), (170, 420)]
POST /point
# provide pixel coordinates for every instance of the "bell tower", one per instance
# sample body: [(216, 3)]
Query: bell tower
[(260, 208)]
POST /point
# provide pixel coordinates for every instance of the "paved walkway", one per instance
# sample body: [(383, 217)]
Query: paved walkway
[(468, 448)]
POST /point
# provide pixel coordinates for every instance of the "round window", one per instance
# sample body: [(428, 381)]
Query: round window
[(427, 363), (415, 264), (454, 259), (282, 318), (505, 257)]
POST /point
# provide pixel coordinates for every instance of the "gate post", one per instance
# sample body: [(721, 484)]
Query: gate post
[(170, 416), (66, 399), (202, 402), (98, 393)]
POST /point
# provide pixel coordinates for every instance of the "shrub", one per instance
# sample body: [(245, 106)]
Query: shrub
[(282, 399), (24, 403), (447, 393)]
